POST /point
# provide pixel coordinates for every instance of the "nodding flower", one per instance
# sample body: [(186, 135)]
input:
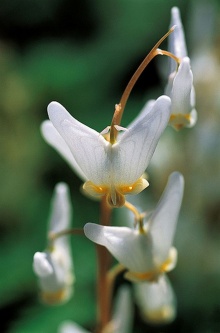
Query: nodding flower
[(147, 252), (180, 83), (54, 266), (114, 169)]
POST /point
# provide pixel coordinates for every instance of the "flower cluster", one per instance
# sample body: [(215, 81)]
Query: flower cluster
[(112, 165)]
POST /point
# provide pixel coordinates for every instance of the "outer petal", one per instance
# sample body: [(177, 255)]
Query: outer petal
[(88, 147), (61, 209), (128, 246), (176, 40), (156, 301), (163, 221), (132, 153), (182, 87), (41, 265), (122, 320), (53, 138)]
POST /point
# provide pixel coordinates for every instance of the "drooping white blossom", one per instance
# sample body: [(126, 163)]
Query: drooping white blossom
[(54, 266), (180, 84), (156, 300), (148, 252), (113, 170)]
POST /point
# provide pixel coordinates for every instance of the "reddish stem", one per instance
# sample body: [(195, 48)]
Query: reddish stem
[(103, 292)]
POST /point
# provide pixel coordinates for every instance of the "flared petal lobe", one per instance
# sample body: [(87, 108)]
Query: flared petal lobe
[(162, 224), (54, 139), (134, 150), (89, 148), (128, 246), (176, 40)]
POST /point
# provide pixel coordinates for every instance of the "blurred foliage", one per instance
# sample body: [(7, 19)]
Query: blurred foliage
[(82, 54)]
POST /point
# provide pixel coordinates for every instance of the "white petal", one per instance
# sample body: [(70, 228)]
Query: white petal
[(41, 265), (53, 138), (182, 87), (193, 118), (122, 320), (132, 153), (129, 247), (71, 327), (176, 40), (156, 301), (164, 219), (61, 209), (88, 147)]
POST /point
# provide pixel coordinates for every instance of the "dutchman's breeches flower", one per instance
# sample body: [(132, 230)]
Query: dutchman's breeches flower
[(54, 266), (180, 84), (113, 169), (146, 252)]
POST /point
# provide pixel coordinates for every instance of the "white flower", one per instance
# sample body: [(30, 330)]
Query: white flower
[(180, 84), (54, 266), (145, 253), (156, 301), (113, 170)]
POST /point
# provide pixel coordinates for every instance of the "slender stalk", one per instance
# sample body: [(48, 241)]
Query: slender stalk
[(138, 216), (103, 292), (119, 108)]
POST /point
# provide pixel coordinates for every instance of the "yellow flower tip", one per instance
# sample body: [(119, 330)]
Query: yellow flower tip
[(163, 315), (171, 261), (152, 276), (56, 297), (180, 120), (141, 277), (115, 195)]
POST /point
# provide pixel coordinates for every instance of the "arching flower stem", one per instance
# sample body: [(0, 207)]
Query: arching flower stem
[(53, 236), (138, 216), (119, 108)]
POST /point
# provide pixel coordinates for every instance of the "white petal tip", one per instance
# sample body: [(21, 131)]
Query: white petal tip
[(41, 265)]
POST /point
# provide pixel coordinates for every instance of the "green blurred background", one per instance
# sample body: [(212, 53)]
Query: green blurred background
[(82, 54)]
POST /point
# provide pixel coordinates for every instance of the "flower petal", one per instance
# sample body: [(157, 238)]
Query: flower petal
[(163, 221), (122, 320), (129, 247), (182, 87), (132, 153), (88, 147), (156, 301), (41, 265), (61, 209), (54, 139), (176, 40)]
